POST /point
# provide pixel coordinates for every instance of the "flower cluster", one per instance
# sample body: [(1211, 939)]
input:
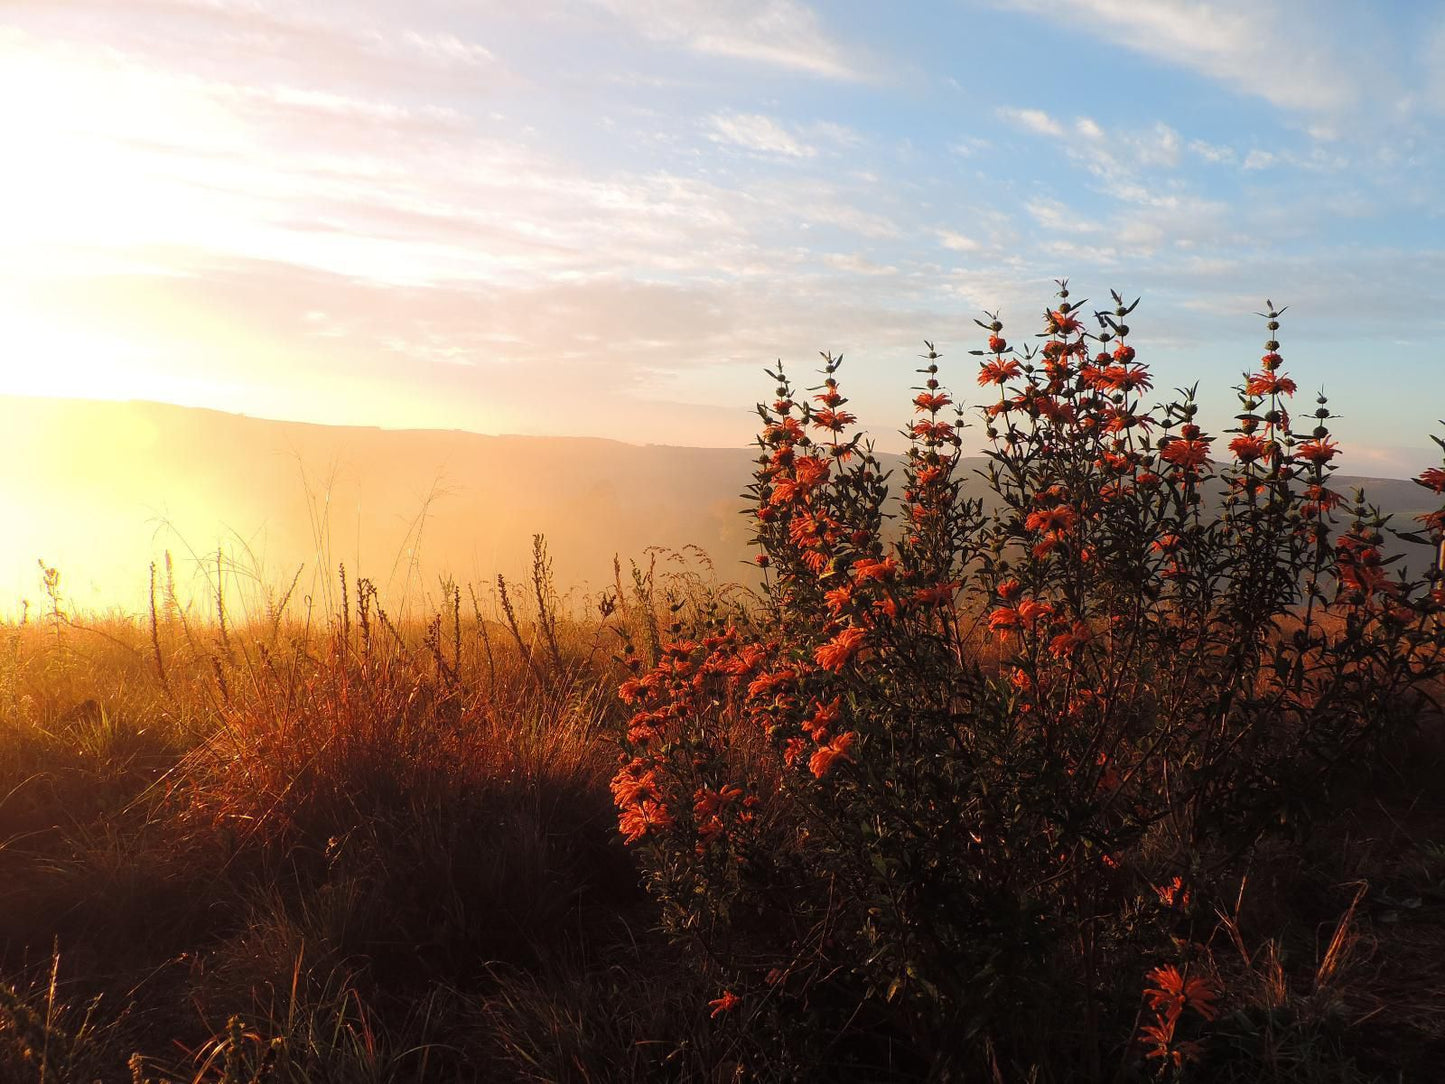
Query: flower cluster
[(934, 750)]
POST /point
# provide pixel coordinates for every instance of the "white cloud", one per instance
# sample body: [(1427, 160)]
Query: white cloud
[(781, 33), (1213, 152), (1279, 52), (957, 242), (757, 133), (1034, 120), (857, 264)]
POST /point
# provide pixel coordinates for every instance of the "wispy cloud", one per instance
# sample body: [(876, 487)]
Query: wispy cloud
[(755, 132), (1033, 120), (779, 33), (1278, 52)]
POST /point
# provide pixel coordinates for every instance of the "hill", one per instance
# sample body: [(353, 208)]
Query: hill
[(101, 489)]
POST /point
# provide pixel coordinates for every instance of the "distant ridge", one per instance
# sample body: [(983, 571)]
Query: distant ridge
[(100, 489)]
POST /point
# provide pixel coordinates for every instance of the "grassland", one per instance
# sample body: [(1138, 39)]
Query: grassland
[(317, 846)]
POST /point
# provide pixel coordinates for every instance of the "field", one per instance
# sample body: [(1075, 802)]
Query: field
[(1089, 784)]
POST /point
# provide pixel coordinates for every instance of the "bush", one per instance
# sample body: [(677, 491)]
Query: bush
[(957, 792)]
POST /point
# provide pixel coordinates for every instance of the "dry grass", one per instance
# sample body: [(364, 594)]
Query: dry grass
[(355, 850)]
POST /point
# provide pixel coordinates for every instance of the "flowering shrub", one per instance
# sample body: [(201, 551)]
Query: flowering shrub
[(922, 793)]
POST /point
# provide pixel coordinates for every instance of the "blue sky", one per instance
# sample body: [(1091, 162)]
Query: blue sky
[(604, 217)]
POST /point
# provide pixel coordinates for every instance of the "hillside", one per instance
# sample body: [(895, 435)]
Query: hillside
[(101, 489)]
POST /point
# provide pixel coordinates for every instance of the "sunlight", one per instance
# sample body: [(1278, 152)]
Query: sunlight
[(87, 155)]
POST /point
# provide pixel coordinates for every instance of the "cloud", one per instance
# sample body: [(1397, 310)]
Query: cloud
[(1033, 120), (1212, 152), (757, 133), (857, 264), (778, 33), (1278, 52), (957, 242)]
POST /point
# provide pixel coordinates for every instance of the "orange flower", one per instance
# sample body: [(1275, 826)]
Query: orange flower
[(726, 1003), (709, 803), (1004, 621), (630, 785), (931, 401), (1267, 383), (1433, 478), (1190, 453), (794, 748), (838, 598), (823, 759), (1031, 609), (1247, 448), (999, 371), (638, 820), (938, 432), (1317, 452), (834, 420), (1062, 323), (1172, 993), (1120, 378), (839, 651), (809, 470), (938, 595), (1066, 643), (1172, 892), (788, 490), (865, 568), (1058, 518), (787, 431), (1009, 590)]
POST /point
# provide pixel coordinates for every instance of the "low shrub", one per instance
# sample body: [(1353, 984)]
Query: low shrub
[(958, 796)]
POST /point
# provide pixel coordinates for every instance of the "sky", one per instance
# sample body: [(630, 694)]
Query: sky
[(606, 217)]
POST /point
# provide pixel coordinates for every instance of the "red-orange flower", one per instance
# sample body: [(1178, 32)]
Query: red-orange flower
[(1063, 323), (999, 371), (834, 420), (1247, 447), (809, 470), (931, 401), (1172, 993), (1317, 451), (839, 651), (825, 756), (938, 595), (1031, 610), (638, 820), (1267, 383), (1433, 478), (1189, 453), (939, 432), (1003, 621), (787, 431), (1058, 518), (726, 1003), (865, 568), (1066, 643)]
